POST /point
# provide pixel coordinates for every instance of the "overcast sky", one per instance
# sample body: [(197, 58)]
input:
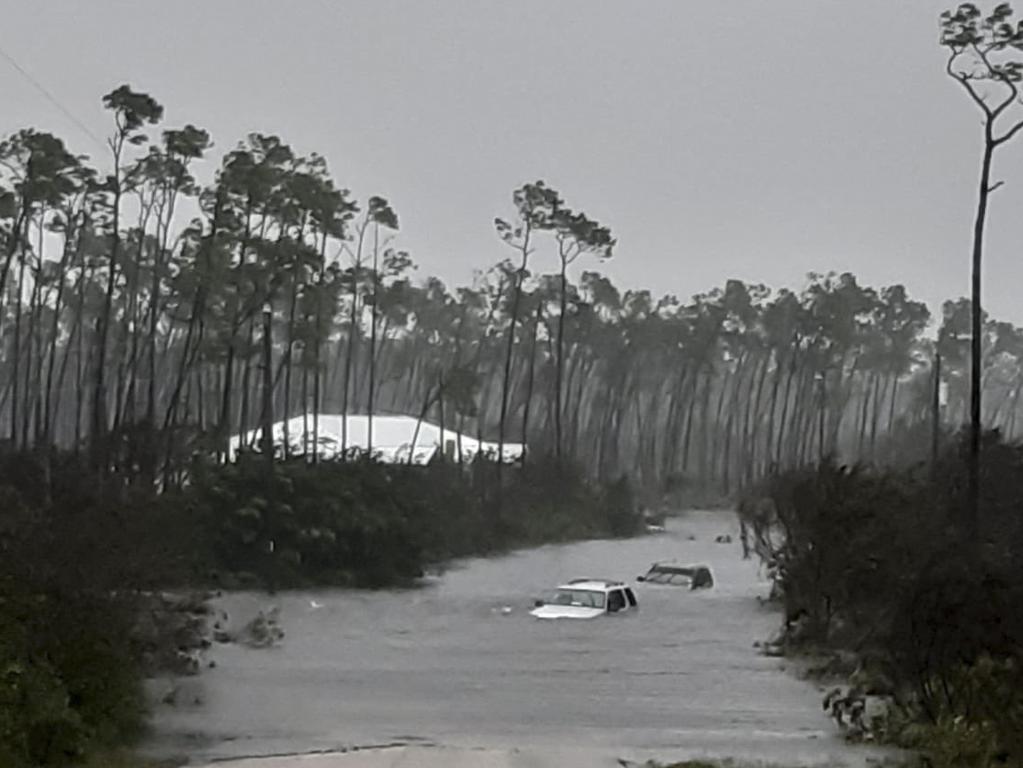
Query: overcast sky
[(749, 139)]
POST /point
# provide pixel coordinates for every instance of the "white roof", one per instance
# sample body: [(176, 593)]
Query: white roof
[(393, 438)]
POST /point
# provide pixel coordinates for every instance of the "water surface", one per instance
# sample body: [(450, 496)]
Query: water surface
[(445, 665)]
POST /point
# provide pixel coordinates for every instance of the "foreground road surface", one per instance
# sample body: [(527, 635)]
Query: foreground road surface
[(446, 675)]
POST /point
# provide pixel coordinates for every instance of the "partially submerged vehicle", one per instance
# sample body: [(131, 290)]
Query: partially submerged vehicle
[(673, 574), (586, 599), (654, 521)]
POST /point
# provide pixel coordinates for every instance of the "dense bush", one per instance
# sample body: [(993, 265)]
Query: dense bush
[(68, 684), (878, 562), (289, 523), (370, 524), (292, 523)]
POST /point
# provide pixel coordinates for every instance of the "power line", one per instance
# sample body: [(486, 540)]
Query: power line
[(51, 98)]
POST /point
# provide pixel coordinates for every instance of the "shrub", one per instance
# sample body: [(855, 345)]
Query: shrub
[(370, 524), (875, 561), (67, 684)]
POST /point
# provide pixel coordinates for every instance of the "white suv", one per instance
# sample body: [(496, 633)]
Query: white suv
[(586, 599)]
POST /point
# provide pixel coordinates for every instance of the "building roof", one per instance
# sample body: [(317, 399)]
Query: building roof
[(393, 438)]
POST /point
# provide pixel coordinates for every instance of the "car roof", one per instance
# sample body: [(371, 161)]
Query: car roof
[(676, 567), (599, 585)]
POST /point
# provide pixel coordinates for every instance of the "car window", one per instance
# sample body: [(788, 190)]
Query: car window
[(615, 600), (630, 597), (583, 597)]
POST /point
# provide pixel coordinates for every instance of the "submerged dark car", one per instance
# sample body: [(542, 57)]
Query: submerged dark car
[(672, 574)]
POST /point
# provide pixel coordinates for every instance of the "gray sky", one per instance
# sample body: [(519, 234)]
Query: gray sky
[(749, 139)]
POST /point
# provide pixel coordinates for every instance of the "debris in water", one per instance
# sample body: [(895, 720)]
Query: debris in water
[(262, 632)]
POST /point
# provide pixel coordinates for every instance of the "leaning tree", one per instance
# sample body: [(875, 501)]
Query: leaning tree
[(984, 58)]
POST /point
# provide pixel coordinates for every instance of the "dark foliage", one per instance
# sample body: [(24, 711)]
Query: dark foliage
[(68, 684), (369, 524), (878, 561)]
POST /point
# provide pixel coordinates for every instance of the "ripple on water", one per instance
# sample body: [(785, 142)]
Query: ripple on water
[(447, 663)]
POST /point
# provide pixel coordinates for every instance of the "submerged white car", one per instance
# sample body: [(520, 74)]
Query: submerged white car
[(586, 599)]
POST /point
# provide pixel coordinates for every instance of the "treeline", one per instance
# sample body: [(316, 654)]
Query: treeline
[(147, 314), (877, 565)]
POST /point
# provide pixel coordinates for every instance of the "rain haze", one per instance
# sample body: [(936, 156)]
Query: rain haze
[(464, 383), (745, 139)]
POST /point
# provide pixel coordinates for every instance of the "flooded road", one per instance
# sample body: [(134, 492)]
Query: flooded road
[(445, 665)]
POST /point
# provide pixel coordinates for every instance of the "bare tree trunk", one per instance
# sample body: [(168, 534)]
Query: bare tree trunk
[(288, 365), (559, 362), (54, 336), (783, 423), (891, 404), (769, 450), (509, 351), (16, 371), (529, 387), (99, 399), (80, 365), (690, 415), (976, 329), (267, 414), (875, 415), (373, 335), (350, 356), (753, 419), (245, 409)]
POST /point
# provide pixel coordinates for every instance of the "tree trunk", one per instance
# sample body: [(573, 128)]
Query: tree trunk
[(288, 363), (506, 379), (751, 423), (875, 415), (783, 422), (529, 386), (770, 453), (267, 414), (99, 398), (891, 405), (373, 336), (973, 511), (350, 350), (560, 361), (16, 372)]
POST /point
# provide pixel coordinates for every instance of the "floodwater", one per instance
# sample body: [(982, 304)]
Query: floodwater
[(448, 665)]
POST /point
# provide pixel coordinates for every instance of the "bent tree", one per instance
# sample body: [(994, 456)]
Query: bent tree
[(132, 111), (576, 235), (984, 58), (535, 206)]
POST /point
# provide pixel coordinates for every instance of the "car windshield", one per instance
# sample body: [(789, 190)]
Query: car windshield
[(587, 598), (669, 575)]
